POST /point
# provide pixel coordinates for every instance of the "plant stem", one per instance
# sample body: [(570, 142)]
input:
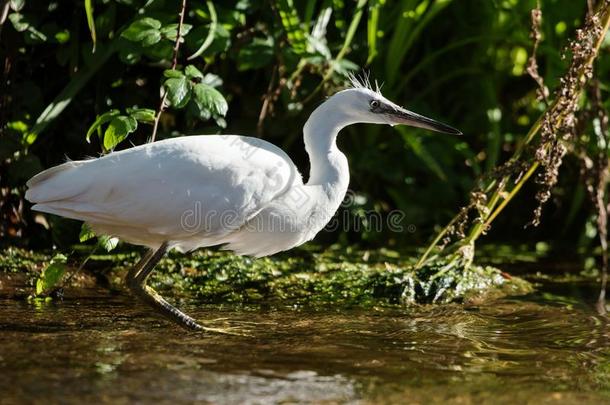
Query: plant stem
[(482, 227), (439, 236), (174, 64), (498, 187), (477, 230)]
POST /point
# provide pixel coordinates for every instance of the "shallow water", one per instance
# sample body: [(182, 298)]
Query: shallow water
[(550, 346)]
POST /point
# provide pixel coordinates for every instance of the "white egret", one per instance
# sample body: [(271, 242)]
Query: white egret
[(240, 192)]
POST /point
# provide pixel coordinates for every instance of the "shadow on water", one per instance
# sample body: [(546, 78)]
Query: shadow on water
[(546, 347)]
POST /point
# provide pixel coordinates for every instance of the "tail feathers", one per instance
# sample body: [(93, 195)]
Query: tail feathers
[(54, 184), (76, 210), (53, 171)]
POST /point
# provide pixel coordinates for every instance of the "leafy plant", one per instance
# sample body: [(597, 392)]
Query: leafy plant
[(148, 31), (105, 242), (118, 126), (193, 86), (51, 275), (75, 70)]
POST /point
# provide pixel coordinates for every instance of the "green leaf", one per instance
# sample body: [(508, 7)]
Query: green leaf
[(151, 38), (19, 22), (169, 73), (146, 23), (339, 7), (344, 66), (292, 25), (320, 47), (256, 54), (62, 36), (193, 73), (17, 5), (220, 121), (91, 21), (99, 121), (52, 274), (142, 114), (212, 80), (178, 91), (23, 23), (145, 30), (18, 126), (86, 233), (108, 243), (171, 31), (117, 130), (208, 98)]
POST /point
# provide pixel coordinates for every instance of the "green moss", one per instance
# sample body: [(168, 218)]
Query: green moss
[(15, 260), (337, 275)]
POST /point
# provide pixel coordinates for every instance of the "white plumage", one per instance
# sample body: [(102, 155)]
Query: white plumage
[(240, 192), (237, 191), (191, 191)]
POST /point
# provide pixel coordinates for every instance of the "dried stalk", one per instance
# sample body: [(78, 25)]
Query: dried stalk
[(558, 119)]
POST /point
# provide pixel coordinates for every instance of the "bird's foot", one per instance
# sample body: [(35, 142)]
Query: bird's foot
[(225, 327)]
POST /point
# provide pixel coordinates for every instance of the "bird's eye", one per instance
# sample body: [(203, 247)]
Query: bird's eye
[(374, 103)]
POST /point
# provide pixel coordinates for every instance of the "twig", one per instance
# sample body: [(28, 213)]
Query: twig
[(174, 64), (532, 63), (267, 100)]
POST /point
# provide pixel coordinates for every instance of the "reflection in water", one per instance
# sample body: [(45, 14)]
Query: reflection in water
[(544, 347)]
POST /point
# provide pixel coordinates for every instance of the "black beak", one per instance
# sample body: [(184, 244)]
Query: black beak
[(406, 117)]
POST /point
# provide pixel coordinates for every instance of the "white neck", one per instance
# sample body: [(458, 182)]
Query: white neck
[(329, 167)]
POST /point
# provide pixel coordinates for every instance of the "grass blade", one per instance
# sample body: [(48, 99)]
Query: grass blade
[(211, 34), (63, 99), (91, 21), (372, 25), (416, 145), (406, 34)]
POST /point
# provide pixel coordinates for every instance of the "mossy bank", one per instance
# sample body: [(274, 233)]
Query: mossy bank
[(337, 275)]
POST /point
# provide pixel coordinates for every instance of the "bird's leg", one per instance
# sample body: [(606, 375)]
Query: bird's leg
[(136, 281), (135, 270)]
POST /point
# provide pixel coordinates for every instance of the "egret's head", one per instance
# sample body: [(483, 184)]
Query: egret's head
[(363, 104)]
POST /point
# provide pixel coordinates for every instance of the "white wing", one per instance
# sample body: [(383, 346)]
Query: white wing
[(194, 187)]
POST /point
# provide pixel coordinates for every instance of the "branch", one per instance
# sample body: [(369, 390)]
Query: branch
[(162, 105)]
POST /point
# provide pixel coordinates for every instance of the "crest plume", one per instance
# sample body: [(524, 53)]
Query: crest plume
[(363, 81)]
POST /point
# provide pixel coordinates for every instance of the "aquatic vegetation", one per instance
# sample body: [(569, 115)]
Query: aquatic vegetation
[(338, 276), (117, 72)]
